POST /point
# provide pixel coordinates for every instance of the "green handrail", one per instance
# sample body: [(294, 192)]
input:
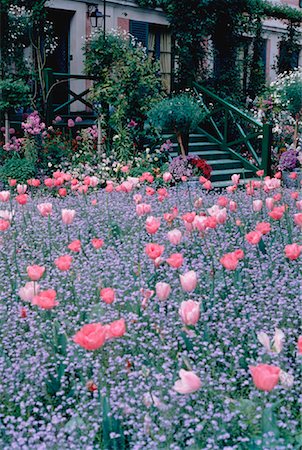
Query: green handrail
[(219, 133), (52, 79), (228, 105)]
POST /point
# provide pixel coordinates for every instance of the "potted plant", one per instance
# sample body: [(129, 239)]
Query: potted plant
[(180, 114)]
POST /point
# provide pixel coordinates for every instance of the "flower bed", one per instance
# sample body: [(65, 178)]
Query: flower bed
[(192, 300)]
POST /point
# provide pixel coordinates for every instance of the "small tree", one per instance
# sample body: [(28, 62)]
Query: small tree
[(181, 114)]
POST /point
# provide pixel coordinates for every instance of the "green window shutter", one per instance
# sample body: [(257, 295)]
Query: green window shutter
[(140, 31)]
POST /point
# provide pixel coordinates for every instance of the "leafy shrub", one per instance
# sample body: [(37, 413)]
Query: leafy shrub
[(19, 168), (127, 80)]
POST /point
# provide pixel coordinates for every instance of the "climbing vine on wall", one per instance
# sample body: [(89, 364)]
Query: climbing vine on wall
[(226, 23)]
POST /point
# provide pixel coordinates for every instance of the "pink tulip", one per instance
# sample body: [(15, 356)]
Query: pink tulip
[(45, 209), (116, 329), (223, 201), (154, 250), (142, 209), (75, 246), (188, 281), (189, 382), (21, 188), (239, 254), (263, 227), (200, 223), (299, 345), (198, 203), (137, 198), (231, 189), (235, 178), (253, 237), (189, 217), (152, 224), (163, 290), (298, 219), (293, 175), (167, 177), (45, 299), (35, 272), (109, 188), (63, 263), (62, 192), (97, 243), (175, 260), (21, 199), (91, 336), (277, 212), (265, 376), (127, 186), (70, 123), (277, 197), (27, 292), (4, 196), (107, 295), (269, 202), (174, 236), (260, 173), (189, 312), (257, 205), (4, 224), (293, 251), (299, 205), (229, 261), (207, 185), (68, 216), (233, 206), (221, 216), (6, 214)]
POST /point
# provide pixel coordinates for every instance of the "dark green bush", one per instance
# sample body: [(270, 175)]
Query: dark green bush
[(18, 168)]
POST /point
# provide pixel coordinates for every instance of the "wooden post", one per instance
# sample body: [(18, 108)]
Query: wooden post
[(6, 128), (99, 145), (266, 155), (49, 81)]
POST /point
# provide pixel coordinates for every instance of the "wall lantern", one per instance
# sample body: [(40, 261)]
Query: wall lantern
[(95, 16)]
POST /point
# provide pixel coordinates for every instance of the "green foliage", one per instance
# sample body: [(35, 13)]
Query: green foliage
[(181, 113), (226, 23), (14, 94), (128, 80), (19, 168), (287, 90), (289, 49)]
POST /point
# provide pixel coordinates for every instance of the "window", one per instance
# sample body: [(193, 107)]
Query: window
[(157, 40)]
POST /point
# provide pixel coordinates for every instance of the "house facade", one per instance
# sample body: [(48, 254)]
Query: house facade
[(74, 19)]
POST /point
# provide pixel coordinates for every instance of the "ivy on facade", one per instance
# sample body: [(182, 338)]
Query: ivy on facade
[(229, 26)]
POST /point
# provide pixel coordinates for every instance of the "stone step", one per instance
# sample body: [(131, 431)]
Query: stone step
[(225, 174), (218, 164), (208, 155), (225, 183), (193, 137)]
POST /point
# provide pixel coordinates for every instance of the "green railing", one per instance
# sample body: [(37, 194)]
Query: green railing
[(234, 131), (55, 79)]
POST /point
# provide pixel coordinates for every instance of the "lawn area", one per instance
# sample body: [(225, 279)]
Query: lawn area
[(193, 297)]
